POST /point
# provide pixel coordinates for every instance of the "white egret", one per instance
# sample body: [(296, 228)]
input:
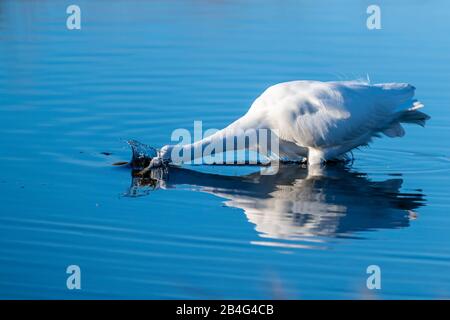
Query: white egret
[(321, 121)]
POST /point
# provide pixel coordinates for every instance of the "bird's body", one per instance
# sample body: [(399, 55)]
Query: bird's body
[(323, 121)]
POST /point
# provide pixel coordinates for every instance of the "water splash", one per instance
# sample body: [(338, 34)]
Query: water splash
[(142, 154)]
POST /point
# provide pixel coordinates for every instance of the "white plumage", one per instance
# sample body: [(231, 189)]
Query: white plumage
[(323, 121)]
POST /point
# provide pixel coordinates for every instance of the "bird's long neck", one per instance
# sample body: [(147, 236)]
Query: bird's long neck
[(232, 138)]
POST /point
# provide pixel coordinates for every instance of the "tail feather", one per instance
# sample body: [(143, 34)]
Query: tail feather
[(406, 115), (413, 115)]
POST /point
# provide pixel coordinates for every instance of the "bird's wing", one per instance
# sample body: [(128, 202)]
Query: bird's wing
[(372, 109), (327, 114)]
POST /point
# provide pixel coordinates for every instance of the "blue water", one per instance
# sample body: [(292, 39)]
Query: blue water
[(141, 69)]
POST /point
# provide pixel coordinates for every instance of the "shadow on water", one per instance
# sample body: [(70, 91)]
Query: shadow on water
[(294, 204)]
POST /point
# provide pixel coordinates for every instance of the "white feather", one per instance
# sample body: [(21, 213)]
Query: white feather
[(325, 120)]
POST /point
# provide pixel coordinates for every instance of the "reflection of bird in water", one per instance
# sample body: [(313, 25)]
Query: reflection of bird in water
[(293, 204)]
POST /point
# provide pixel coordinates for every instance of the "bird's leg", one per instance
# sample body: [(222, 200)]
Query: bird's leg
[(316, 156)]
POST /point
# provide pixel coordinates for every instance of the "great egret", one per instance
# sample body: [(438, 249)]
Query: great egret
[(319, 121)]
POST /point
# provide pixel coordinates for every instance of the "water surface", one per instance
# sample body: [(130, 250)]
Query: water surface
[(69, 100)]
